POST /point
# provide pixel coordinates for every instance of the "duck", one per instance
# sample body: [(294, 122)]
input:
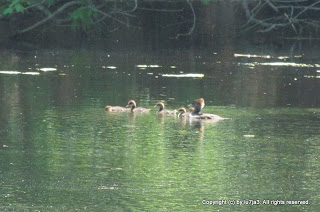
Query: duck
[(115, 109), (206, 116), (191, 109), (195, 109), (134, 109), (162, 111), (182, 113), (197, 105)]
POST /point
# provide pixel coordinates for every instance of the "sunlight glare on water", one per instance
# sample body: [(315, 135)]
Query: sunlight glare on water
[(280, 64), (184, 75), (61, 151)]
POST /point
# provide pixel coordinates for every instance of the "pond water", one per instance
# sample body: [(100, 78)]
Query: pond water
[(60, 151)]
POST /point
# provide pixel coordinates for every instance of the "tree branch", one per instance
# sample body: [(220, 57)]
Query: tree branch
[(284, 14), (193, 25), (109, 16), (59, 10)]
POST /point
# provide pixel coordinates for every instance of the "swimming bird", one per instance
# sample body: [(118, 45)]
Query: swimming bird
[(206, 116), (197, 104), (162, 111), (132, 104), (116, 109), (182, 113), (191, 109), (195, 109)]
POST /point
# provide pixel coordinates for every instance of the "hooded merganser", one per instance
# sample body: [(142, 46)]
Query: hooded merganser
[(115, 109), (162, 111), (206, 116), (197, 104), (182, 113), (132, 104), (195, 109)]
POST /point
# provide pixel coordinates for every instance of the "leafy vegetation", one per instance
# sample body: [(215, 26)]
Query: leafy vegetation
[(300, 18), (83, 16), (15, 6)]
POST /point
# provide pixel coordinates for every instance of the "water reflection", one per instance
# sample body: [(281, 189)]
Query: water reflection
[(277, 84), (61, 151)]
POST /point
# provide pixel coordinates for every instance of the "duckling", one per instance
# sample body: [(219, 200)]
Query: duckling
[(197, 104), (115, 109), (162, 111), (182, 113), (132, 104)]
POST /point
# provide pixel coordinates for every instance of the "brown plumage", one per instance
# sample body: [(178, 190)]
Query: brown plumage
[(132, 104), (182, 113), (197, 104), (195, 109), (163, 111)]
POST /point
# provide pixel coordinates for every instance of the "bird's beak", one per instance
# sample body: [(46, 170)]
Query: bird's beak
[(127, 106), (190, 105), (155, 106)]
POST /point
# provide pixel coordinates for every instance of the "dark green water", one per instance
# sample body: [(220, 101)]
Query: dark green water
[(60, 151)]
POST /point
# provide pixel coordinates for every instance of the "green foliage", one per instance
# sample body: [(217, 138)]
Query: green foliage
[(15, 6), (6, 11), (50, 1), (18, 6), (82, 17), (206, 1)]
